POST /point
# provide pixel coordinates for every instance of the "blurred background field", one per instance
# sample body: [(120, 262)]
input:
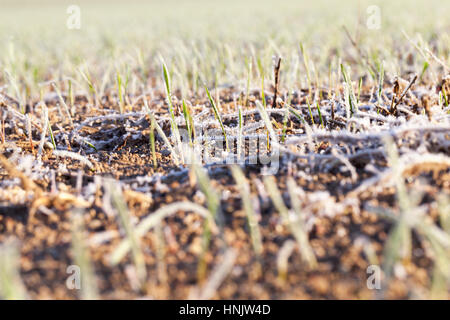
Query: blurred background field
[(215, 37)]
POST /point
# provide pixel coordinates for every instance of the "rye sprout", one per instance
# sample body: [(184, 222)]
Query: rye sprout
[(86, 76), (119, 89), (266, 119), (161, 133), (310, 111), (306, 63), (2, 128), (81, 257), (320, 114), (213, 203), (71, 97), (380, 81), (252, 219), (11, 286), (166, 76), (218, 118), (154, 219), (240, 128), (249, 75), (349, 93), (119, 203), (50, 131), (152, 141), (64, 104), (294, 223), (283, 258), (188, 121), (261, 73), (399, 243)]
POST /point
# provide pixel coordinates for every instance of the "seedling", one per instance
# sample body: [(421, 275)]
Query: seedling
[(213, 202), (171, 109), (120, 205), (63, 103), (71, 97), (161, 134), (86, 76), (81, 257), (349, 93), (310, 112), (218, 118), (11, 286), (119, 92), (153, 220), (306, 63), (241, 125), (152, 141), (188, 121), (252, 220), (296, 225), (320, 115), (261, 74), (249, 75)]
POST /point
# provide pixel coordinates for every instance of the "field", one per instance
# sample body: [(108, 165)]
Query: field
[(224, 149)]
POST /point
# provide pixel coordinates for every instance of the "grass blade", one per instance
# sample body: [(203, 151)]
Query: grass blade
[(218, 118)]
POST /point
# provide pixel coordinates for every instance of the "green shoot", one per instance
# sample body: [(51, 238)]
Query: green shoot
[(249, 75), (71, 98), (350, 95), (161, 133), (306, 63), (119, 89), (169, 94), (359, 90), (188, 120), (81, 257), (91, 86), (241, 125), (424, 69), (152, 141), (266, 119), (320, 115), (283, 259), (285, 121), (444, 95), (399, 243), (11, 286), (61, 100), (160, 255), (153, 220), (261, 73), (380, 81), (213, 202), (47, 120), (444, 212), (2, 128), (218, 118), (244, 190), (310, 112), (297, 115), (171, 108), (296, 226), (120, 205)]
